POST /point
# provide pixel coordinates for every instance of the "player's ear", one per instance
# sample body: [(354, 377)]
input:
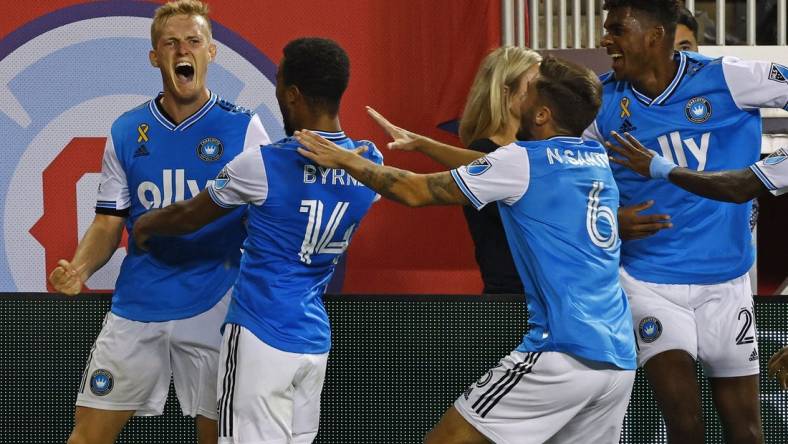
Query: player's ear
[(543, 115), (212, 51), (656, 35), (154, 59), (293, 94)]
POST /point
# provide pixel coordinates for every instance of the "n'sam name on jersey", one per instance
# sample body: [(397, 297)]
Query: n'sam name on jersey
[(329, 176), (173, 189), (576, 157)]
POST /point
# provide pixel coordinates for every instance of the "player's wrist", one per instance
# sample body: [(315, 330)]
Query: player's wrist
[(661, 167)]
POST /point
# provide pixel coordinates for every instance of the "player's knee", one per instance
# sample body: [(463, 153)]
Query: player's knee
[(745, 433), (687, 427), (77, 438)]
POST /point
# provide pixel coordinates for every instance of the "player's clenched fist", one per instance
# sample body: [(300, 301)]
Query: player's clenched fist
[(66, 278)]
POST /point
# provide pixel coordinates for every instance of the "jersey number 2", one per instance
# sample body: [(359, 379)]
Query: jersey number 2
[(318, 239), (597, 211)]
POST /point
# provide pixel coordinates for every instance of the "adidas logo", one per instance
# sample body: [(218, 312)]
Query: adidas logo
[(626, 127), (141, 151), (754, 355)]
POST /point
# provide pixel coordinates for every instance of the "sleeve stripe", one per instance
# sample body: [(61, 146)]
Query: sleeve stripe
[(465, 190), (757, 170), (217, 200)]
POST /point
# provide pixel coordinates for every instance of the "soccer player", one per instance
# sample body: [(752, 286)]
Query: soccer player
[(688, 286), (731, 186), (301, 219), (686, 31), (570, 378), (168, 304)]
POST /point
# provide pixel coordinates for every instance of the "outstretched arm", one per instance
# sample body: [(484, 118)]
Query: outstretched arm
[(447, 155), (730, 186), (403, 186), (179, 218)]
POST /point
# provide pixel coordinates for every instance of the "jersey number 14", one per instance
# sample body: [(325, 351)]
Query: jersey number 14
[(319, 239)]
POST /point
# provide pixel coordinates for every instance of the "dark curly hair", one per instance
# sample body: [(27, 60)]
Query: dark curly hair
[(320, 69), (664, 12)]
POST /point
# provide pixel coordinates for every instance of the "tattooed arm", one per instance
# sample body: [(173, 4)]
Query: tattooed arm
[(414, 190)]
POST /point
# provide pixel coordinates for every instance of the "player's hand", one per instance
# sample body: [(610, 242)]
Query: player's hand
[(632, 225), (403, 139), (66, 278), (778, 367), (633, 154), (324, 152)]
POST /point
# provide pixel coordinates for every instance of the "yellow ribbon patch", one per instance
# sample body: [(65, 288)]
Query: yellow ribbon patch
[(625, 108), (142, 130)]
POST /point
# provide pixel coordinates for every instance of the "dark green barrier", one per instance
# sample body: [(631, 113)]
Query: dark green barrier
[(397, 364)]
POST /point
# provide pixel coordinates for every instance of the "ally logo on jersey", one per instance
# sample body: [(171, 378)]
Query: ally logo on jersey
[(55, 126)]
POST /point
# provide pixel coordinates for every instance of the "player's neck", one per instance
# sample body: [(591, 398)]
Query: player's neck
[(179, 111), (322, 122), (656, 77), (507, 134)]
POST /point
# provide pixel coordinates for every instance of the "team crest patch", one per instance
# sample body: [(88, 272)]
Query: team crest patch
[(649, 329), (776, 157), (101, 382), (778, 73), (210, 149), (485, 379), (698, 110), (478, 166), (222, 179)]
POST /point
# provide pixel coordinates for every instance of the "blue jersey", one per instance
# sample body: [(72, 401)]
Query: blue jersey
[(150, 162), (301, 219), (558, 203), (708, 120)]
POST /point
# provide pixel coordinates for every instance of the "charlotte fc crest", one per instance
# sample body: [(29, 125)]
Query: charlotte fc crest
[(210, 149), (698, 110)]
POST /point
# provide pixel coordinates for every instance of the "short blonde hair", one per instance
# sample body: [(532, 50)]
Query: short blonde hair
[(177, 7), (487, 109)]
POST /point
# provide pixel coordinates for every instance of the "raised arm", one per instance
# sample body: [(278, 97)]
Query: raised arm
[(447, 155), (730, 186), (414, 190)]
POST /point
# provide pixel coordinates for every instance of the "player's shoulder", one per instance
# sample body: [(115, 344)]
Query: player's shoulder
[(698, 63), (233, 109), (133, 115), (372, 153), (610, 85)]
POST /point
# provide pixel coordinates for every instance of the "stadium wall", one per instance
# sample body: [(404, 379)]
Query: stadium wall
[(397, 363)]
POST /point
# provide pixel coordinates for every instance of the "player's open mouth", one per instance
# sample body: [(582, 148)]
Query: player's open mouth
[(618, 59), (184, 72)]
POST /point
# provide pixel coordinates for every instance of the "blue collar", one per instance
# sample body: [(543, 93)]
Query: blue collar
[(660, 99), (191, 120)]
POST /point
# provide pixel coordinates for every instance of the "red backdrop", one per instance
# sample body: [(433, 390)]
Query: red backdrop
[(414, 61)]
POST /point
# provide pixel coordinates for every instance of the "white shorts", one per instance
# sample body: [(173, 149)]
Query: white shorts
[(713, 323), (131, 363), (266, 395), (548, 397)]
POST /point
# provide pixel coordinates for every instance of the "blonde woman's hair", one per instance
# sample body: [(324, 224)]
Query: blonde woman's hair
[(177, 7), (487, 109)]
